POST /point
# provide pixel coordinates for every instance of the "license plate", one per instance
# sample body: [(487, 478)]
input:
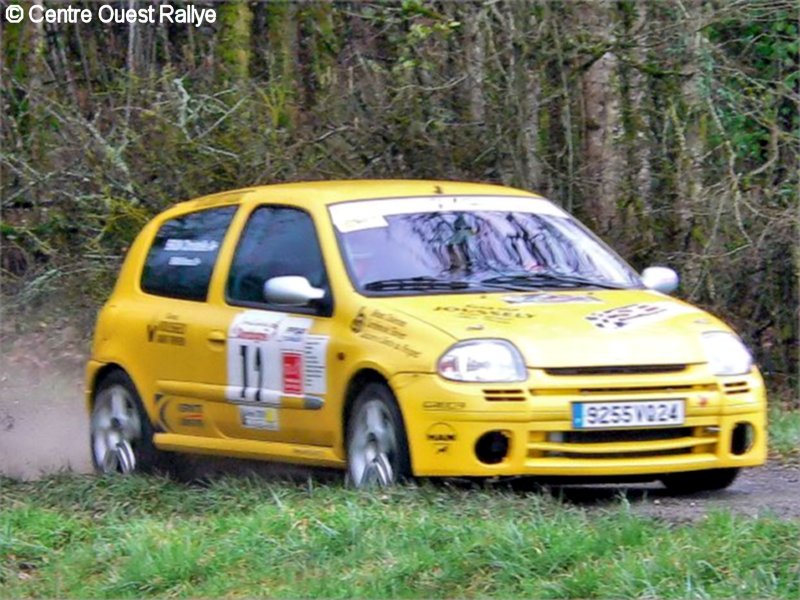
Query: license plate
[(652, 413)]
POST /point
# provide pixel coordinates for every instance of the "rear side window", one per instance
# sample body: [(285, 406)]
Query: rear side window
[(182, 257)]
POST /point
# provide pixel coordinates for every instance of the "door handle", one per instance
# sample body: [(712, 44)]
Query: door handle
[(217, 337)]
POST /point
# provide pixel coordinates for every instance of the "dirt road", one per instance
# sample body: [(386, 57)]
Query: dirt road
[(44, 428)]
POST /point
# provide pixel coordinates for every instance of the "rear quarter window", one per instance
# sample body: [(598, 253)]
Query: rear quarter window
[(181, 260)]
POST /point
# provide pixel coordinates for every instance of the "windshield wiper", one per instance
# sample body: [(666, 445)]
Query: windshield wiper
[(549, 280), (512, 283), (425, 283), (420, 283)]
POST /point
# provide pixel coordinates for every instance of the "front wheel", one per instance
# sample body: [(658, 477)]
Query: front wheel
[(699, 481), (377, 447), (121, 433)]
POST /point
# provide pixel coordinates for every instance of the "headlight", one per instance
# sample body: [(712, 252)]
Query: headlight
[(726, 353), (483, 360)]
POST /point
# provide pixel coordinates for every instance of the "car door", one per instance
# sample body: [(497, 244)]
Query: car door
[(265, 374), (175, 281)]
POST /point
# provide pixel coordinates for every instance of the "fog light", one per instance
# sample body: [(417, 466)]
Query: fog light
[(742, 438), (492, 447)]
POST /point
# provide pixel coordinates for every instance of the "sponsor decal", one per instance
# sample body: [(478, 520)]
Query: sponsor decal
[(273, 354), (392, 344), (388, 318), (183, 261), (258, 327), (441, 435), (257, 417), (357, 323), (636, 314), (191, 415), (386, 323), (489, 313), (167, 331), (315, 351), (175, 245), (292, 334), (549, 298), (383, 328), (361, 223), (185, 414), (292, 373), (437, 405), (367, 214)]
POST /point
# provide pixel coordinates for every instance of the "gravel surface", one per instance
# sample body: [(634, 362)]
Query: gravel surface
[(773, 489)]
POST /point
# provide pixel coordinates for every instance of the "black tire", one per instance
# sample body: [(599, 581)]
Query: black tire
[(700, 481), (377, 445), (121, 435)]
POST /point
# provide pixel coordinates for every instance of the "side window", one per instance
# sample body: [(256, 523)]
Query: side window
[(276, 241), (182, 257)]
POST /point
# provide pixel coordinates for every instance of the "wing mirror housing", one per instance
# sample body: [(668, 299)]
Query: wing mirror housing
[(661, 279), (291, 290)]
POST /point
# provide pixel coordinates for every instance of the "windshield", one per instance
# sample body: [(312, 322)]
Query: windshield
[(419, 245)]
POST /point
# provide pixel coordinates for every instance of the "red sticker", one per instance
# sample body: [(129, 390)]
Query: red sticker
[(293, 373)]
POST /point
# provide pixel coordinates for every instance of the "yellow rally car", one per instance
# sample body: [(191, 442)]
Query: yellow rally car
[(399, 328)]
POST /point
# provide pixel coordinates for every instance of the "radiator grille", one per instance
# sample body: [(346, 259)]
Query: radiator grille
[(616, 370), (736, 387), (621, 444), (625, 435), (504, 395), (642, 389), (600, 455)]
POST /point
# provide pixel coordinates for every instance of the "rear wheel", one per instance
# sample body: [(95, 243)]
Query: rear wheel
[(700, 481), (377, 447), (120, 430)]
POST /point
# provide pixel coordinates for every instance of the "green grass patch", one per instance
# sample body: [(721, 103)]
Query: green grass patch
[(784, 432), (90, 537)]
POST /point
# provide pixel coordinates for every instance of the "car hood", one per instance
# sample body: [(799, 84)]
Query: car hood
[(573, 328)]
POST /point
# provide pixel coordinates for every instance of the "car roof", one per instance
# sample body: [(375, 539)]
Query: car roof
[(331, 192)]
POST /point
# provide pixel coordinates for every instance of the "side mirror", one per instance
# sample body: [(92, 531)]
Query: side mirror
[(291, 290), (661, 279)]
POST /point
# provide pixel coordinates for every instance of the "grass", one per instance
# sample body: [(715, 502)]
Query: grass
[(784, 432), (83, 536)]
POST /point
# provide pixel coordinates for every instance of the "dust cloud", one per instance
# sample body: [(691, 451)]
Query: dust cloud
[(44, 427)]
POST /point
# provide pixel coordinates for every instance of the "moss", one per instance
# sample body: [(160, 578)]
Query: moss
[(235, 18)]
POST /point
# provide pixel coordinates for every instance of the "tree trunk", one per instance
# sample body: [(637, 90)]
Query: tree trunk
[(233, 49)]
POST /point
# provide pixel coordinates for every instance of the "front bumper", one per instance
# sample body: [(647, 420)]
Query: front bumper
[(447, 425)]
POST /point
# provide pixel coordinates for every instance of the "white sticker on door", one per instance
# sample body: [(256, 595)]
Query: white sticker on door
[(272, 355), (256, 417), (314, 353)]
